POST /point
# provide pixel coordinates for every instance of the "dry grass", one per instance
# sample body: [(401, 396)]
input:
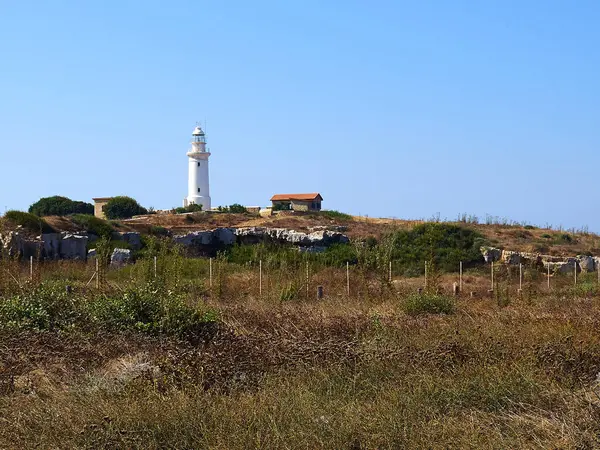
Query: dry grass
[(344, 372)]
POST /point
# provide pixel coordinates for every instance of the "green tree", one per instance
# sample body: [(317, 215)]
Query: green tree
[(236, 208), (60, 206), (123, 207)]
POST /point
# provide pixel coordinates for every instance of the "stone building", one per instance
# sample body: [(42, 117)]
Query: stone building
[(99, 204), (297, 202)]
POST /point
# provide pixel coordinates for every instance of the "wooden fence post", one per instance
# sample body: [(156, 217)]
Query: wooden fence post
[(260, 277), (347, 278)]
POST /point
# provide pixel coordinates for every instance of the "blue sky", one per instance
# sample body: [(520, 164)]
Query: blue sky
[(388, 108)]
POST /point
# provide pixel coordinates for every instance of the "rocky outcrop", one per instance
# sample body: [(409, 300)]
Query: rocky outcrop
[(16, 244), (73, 246), (254, 235), (509, 257), (132, 238), (337, 228), (557, 264), (322, 238), (586, 263), (51, 245), (491, 254), (67, 245), (120, 257)]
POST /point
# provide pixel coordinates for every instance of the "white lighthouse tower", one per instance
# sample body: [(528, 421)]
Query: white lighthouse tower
[(198, 187)]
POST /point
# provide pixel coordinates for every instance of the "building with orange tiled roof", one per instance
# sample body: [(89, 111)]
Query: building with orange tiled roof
[(297, 202)]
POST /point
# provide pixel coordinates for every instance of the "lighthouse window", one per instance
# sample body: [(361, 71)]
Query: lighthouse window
[(198, 164), (198, 189)]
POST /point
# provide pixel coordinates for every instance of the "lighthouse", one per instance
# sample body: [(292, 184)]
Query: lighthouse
[(198, 187)]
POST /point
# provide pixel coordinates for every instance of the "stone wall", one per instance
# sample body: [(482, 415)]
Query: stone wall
[(556, 264)]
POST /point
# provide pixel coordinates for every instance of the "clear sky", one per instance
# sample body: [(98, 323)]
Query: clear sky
[(388, 108)]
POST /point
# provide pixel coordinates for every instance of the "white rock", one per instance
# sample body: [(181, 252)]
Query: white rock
[(586, 263), (491, 254), (73, 246), (510, 257), (120, 257)]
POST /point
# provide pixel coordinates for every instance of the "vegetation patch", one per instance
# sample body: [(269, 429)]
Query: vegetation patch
[(428, 303), (336, 215), (188, 209), (123, 207), (28, 221), (93, 225), (60, 206), (441, 245)]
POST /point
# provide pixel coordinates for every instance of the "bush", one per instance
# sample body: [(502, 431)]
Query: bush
[(443, 245), (236, 208), (282, 206), (428, 303), (47, 307), (151, 309), (188, 209), (93, 225), (28, 221), (60, 206), (336, 215), (123, 207)]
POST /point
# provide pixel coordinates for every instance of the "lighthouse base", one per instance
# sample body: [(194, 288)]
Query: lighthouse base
[(197, 200)]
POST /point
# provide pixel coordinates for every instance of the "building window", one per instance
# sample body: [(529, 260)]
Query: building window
[(198, 164), (198, 190)]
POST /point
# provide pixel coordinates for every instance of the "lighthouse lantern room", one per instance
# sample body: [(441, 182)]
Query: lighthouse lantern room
[(198, 186)]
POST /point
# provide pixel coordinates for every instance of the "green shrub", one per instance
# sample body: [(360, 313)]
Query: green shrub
[(337, 255), (123, 207), (336, 215), (28, 221), (236, 208), (60, 206), (188, 209), (157, 230), (150, 309), (289, 292), (442, 245), (428, 303), (93, 224), (47, 307), (282, 206)]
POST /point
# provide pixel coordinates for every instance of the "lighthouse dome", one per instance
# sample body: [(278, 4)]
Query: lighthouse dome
[(197, 132)]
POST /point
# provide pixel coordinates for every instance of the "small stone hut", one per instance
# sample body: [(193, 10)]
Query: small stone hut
[(297, 202), (99, 204)]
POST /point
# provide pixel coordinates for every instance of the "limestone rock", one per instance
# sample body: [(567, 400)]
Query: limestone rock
[(15, 244), (531, 259), (120, 257), (338, 228), (51, 245), (510, 257), (133, 239), (564, 267), (225, 236), (194, 238), (73, 246), (491, 254), (586, 263)]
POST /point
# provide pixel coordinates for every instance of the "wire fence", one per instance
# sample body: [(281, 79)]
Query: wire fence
[(220, 278)]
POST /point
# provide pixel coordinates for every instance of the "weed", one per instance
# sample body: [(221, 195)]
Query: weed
[(428, 303), (28, 221), (93, 225)]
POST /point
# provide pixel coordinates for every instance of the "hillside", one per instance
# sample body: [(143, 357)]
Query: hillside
[(513, 237)]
